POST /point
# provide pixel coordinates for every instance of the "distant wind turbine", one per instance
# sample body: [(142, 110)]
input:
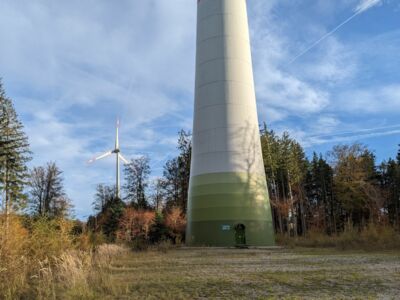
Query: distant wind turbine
[(119, 157)]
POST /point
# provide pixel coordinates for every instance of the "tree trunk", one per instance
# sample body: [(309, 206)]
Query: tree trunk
[(276, 196), (7, 199), (293, 215), (303, 219), (397, 212)]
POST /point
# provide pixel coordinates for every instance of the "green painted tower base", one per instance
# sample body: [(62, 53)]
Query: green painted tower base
[(221, 203)]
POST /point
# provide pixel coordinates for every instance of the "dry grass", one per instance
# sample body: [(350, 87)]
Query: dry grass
[(13, 258), (84, 275), (256, 274), (371, 238), (75, 274), (45, 262)]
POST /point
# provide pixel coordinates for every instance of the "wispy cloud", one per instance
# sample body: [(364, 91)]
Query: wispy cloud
[(280, 94), (371, 100), (72, 67), (366, 4), (313, 140), (363, 6)]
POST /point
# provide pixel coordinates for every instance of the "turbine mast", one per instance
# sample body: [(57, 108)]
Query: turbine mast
[(117, 136), (116, 151), (118, 180)]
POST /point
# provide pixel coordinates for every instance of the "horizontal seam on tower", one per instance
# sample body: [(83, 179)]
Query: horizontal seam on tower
[(220, 127), (224, 104), (215, 81), (225, 151), (239, 36), (210, 105), (227, 183), (255, 187), (256, 192), (224, 58), (194, 177), (216, 14)]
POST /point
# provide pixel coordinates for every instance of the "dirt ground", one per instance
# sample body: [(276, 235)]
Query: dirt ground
[(256, 274)]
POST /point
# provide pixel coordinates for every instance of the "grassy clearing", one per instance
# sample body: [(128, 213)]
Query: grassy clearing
[(255, 274), (42, 260)]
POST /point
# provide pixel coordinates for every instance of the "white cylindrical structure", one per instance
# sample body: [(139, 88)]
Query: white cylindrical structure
[(227, 185)]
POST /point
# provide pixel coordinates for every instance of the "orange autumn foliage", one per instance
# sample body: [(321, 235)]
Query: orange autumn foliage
[(175, 220), (135, 224)]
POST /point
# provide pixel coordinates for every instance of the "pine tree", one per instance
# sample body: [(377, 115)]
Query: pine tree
[(286, 168), (107, 221), (177, 174), (171, 182), (297, 169), (398, 156), (184, 160), (390, 183), (270, 151), (14, 155), (321, 206), (396, 191)]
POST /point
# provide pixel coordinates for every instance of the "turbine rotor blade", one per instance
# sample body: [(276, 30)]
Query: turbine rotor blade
[(100, 157), (123, 159)]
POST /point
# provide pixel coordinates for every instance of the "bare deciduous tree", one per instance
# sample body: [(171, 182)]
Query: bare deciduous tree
[(47, 195)]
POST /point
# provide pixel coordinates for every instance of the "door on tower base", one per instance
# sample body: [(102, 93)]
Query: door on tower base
[(240, 235)]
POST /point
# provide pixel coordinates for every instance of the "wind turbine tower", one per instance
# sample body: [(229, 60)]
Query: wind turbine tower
[(228, 197), (118, 157)]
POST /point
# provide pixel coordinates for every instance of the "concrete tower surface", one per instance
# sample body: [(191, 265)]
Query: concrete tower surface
[(228, 196)]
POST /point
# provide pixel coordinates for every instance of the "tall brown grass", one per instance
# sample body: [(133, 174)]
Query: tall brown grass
[(43, 260), (371, 238), (14, 260)]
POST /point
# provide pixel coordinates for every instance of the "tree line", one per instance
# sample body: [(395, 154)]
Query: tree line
[(346, 187)]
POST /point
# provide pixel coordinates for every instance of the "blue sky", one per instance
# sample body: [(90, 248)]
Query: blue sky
[(72, 67)]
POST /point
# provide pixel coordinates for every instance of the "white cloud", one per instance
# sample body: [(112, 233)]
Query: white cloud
[(364, 5), (290, 94), (333, 64), (72, 67), (280, 92), (375, 100)]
